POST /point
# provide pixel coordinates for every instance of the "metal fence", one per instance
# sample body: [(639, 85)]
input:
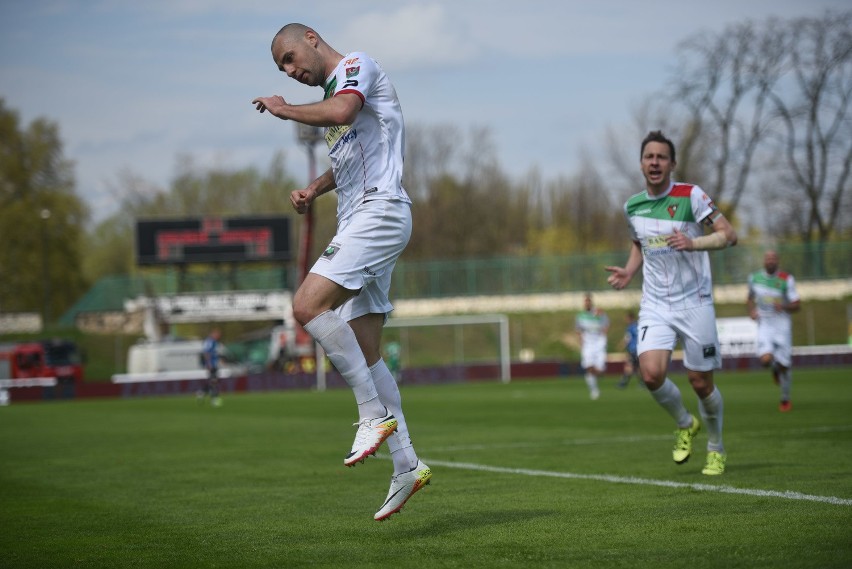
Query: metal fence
[(524, 275), (473, 277)]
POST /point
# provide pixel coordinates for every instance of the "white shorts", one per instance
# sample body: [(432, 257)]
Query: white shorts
[(776, 339), (696, 329), (363, 254), (593, 355)]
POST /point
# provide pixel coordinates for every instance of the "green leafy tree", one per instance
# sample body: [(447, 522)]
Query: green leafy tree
[(41, 219)]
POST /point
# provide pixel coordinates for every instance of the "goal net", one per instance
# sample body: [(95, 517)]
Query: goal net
[(453, 340), (445, 342)]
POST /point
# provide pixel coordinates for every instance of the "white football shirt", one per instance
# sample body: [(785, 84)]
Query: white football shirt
[(366, 156), (766, 290), (672, 280)]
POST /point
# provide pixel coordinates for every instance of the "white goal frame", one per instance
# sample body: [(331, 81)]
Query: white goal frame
[(501, 320)]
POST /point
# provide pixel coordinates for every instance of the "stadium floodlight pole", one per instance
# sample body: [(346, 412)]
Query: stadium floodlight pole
[(45, 217), (308, 136)]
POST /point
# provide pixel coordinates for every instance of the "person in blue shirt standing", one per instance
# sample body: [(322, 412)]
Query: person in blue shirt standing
[(210, 359), (631, 362)]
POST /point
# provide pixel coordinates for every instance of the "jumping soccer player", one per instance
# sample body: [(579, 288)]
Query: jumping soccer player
[(343, 301)]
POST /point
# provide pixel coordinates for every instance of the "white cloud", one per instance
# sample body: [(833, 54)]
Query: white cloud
[(411, 36)]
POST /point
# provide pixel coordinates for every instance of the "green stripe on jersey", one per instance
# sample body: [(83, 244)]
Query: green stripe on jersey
[(769, 281), (668, 208), (330, 88)]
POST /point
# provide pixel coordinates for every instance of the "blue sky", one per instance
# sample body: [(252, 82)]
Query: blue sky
[(134, 84)]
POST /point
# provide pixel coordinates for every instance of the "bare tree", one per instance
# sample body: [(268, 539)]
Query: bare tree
[(814, 107), (623, 145), (725, 82), (430, 153), (464, 202)]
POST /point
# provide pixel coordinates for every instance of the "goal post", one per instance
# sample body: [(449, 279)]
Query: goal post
[(500, 320)]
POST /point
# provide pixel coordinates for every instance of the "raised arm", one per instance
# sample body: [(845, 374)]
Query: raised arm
[(342, 109)]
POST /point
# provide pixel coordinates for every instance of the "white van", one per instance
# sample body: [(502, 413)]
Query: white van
[(155, 357)]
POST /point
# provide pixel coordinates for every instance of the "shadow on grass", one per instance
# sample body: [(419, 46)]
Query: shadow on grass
[(456, 522)]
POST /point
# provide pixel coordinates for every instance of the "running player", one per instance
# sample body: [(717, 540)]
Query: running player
[(772, 296), (343, 301), (210, 359), (631, 361), (667, 223), (592, 325)]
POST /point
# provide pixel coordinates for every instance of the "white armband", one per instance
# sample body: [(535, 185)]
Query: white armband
[(715, 240)]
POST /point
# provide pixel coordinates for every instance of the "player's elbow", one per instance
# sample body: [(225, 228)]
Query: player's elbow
[(344, 109), (344, 116)]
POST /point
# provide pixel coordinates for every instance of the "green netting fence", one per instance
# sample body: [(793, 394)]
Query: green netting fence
[(471, 277)]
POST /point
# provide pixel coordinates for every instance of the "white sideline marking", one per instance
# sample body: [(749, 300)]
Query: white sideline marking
[(629, 439), (590, 441), (789, 494)]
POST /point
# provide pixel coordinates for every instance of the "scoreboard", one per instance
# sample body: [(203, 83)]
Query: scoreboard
[(212, 240)]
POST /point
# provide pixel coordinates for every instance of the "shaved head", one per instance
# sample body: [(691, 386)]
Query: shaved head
[(770, 261), (303, 55), (292, 31)]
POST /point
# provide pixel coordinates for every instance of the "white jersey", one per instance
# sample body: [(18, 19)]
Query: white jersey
[(366, 156), (672, 280), (593, 326), (766, 290)]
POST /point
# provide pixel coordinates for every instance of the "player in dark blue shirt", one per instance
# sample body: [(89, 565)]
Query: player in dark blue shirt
[(631, 361), (210, 359)]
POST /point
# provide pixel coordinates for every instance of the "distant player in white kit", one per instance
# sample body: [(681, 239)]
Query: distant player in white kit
[(667, 223), (592, 324), (772, 297), (343, 302)]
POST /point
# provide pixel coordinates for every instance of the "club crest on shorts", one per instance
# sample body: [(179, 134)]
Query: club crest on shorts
[(330, 251), (710, 351)]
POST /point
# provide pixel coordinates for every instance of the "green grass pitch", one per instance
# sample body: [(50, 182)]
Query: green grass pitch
[(529, 474)]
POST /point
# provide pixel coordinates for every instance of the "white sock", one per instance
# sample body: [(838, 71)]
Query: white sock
[(711, 408), (399, 443), (340, 344), (591, 382), (669, 398)]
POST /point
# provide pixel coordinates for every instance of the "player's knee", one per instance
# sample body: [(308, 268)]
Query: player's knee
[(652, 377), (307, 307), (303, 313), (702, 383)]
